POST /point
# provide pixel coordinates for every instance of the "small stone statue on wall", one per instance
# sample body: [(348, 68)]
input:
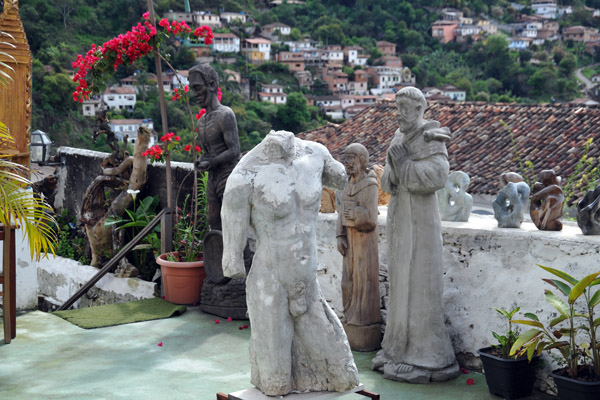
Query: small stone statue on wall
[(588, 213), (454, 202), (357, 242), (509, 206), (547, 202), (297, 342), (416, 346)]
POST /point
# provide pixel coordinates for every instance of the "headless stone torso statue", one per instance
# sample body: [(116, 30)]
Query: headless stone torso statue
[(357, 242), (416, 346), (297, 342), (218, 136)]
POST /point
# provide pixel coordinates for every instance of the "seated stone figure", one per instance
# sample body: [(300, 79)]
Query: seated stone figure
[(454, 202), (297, 342), (509, 206), (588, 213), (547, 202)]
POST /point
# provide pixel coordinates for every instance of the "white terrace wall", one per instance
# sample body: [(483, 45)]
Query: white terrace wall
[(485, 267)]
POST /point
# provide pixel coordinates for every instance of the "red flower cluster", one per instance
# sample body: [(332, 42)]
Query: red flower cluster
[(204, 32), (126, 49), (201, 113), (177, 94), (188, 147), (169, 137), (154, 151), (219, 95), (118, 50), (243, 327)]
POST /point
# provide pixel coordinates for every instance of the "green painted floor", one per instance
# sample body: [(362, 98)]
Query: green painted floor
[(53, 359)]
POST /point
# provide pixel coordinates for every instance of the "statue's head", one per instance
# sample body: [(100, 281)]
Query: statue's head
[(204, 83), (356, 159), (411, 106)]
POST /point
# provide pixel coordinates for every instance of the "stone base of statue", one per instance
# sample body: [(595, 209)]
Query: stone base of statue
[(412, 374), (363, 337), (224, 300)]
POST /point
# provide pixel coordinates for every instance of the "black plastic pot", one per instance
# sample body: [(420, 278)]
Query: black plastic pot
[(508, 378), (573, 389)]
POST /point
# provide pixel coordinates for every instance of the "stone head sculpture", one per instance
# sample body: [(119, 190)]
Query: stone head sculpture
[(454, 203), (588, 213), (547, 202), (204, 83), (510, 204), (411, 106)]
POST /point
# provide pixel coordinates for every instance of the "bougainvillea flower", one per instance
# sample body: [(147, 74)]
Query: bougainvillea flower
[(217, 321), (159, 344), (470, 382), (201, 113), (245, 326), (146, 15), (464, 370), (187, 147), (229, 319), (198, 149)]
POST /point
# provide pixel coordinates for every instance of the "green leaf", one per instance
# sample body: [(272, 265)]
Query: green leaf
[(595, 300), (563, 287), (524, 338), (558, 320), (557, 303), (560, 274), (532, 316), (528, 322), (597, 322), (580, 287)]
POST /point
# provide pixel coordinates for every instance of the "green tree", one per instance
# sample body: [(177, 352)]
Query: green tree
[(294, 115)]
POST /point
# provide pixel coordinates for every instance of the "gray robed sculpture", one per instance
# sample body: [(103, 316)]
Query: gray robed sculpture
[(297, 342), (416, 346)]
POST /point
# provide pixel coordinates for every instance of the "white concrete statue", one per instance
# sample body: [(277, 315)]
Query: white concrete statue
[(454, 203), (416, 346), (297, 342)]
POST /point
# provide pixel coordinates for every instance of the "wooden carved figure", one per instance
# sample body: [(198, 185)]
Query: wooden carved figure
[(357, 242), (547, 202)]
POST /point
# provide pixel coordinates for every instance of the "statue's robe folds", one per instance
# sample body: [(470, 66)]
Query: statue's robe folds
[(415, 333)]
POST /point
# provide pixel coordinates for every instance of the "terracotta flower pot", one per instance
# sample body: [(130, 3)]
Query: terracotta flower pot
[(182, 280)]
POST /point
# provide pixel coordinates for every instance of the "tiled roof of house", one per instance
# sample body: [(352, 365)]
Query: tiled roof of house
[(548, 135)]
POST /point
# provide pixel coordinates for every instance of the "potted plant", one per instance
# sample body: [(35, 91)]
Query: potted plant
[(572, 333), (507, 375), (183, 269)]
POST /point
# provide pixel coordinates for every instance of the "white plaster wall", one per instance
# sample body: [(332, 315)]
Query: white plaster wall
[(59, 278), (486, 267)]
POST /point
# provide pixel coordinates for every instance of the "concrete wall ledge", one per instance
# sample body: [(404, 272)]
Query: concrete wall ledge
[(60, 278)]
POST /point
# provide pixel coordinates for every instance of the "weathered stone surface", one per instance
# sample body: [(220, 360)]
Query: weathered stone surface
[(224, 299), (588, 216), (357, 242), (510, 204), (454, 203), (547, 202), (416, 167), (297, 342), (328, 204)]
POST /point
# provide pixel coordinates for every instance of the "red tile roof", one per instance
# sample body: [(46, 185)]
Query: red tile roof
[(548, 135)]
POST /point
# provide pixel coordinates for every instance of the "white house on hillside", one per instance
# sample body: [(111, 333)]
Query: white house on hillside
[(226, 43), (545, 8), (272, 93), (119, 98), (129, 127), (229, 17), (453, 92)]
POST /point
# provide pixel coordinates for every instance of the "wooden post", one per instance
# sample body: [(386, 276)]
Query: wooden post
[(16, 98), (167, 236)]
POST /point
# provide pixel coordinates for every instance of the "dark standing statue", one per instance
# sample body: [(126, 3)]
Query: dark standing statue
[(357, 242), (547, 202), (218, 135)]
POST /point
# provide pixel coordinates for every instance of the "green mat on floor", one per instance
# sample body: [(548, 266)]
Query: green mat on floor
[(123, 313)]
